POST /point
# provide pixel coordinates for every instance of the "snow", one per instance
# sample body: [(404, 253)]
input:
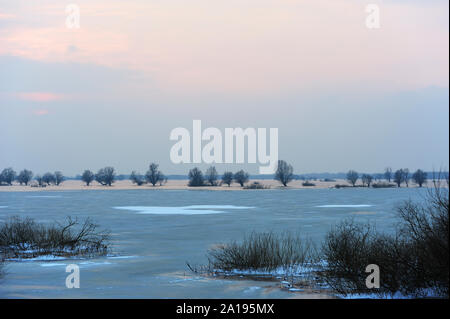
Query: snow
[(345, 206), (44, 196), (251, 289), (398, 295), (121, 257), (183, 210)]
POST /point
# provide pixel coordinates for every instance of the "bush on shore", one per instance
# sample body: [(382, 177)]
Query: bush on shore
[(308, 184), (256, 185), (261, 252), (383, 185), (25, 238)]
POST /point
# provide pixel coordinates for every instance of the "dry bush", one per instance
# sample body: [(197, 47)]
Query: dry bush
[(262, 252), (25, 238)]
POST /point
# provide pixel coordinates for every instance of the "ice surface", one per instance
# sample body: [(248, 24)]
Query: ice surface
[(182, 210), (344, 206)]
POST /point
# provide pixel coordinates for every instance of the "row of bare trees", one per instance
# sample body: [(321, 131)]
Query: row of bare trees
[(8, 176), (211, 177), (284, 174), (107, 176), (399, 177)]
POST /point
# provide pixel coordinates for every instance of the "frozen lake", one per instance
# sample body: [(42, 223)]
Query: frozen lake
[(154, 233)]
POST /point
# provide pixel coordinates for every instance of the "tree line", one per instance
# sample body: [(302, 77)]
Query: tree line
[(8, 176), (399, 177), (284, 174)]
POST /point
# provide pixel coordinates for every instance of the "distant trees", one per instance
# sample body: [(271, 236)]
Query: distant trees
[(284, 173), (137, 178), (162, 179), (241, 177), (8, 175), (53, 178), (87, 177), (39, 180), (106, 176), (398, 177), (211, 176), (227, 178), (59, 178), (153, 175), (48, 178), (24, 177), (406, 177), (366, 179), (196, 177), (419, 177), (388, 174), (352, 177)]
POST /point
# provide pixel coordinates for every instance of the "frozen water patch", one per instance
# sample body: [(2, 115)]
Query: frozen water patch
[(39, 258), (182, 210), (344, 206), (81, 264), (296, 289), (175, 281), (52, 265), (252, 289), (93, 263), (44, 196), (121, 257)]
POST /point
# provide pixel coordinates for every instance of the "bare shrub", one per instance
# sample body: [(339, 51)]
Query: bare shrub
[(256, 185), (262, 252), (308, 184), (25, 238), (383, 185), (425, 228)]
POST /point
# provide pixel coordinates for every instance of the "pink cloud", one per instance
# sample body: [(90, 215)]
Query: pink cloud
[(7, 16), (39, 96), (40, 112)]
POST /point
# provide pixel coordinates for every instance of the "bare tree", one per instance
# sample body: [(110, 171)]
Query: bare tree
[(49, 178), (153, 175), (87, 177), (398, 177), (241, 177), (406, 177), (106, 176), (211, 176), (367, 179), (137, 178), (352, 177), (420, 177), (59, 178), (8, 175), (25, 177), (227, 178), (39, 180), (162, 179), (388, 174), (284, 173), (196, 177)]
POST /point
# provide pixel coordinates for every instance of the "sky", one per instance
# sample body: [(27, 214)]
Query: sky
[(342, 95)]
